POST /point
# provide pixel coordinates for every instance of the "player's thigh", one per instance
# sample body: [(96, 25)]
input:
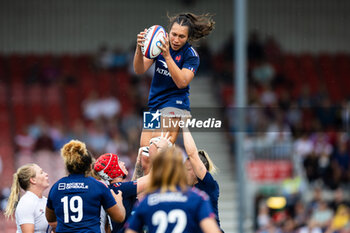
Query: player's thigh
[(170, 120), (146, 136), (171, 127)]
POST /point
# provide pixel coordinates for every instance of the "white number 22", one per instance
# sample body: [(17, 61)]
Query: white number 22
[(161, 219), (75, 205)]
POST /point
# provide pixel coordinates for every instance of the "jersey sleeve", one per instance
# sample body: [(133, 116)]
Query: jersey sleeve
[(25, 213), (107, 199), (129, 189), (192, 60), (135, 221), (205, 209), (208, 181)]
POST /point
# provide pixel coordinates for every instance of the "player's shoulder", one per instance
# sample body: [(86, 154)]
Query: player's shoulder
[(190, 51), (123, 184), (28, 200), (95, 182), (104, 183), (195, 192)]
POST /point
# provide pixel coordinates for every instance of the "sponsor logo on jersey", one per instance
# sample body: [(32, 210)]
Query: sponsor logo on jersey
[(156, 198), (163, 72), (63, 186), (164, 64)]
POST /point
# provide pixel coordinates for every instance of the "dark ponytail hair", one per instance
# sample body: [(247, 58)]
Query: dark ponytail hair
[(198, 25)]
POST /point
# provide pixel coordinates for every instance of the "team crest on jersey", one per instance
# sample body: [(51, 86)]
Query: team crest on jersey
[(178, 58)]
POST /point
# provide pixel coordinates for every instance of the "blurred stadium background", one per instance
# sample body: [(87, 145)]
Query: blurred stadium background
[(66, 72)]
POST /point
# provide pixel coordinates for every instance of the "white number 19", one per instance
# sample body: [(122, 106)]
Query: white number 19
[(75, 205)]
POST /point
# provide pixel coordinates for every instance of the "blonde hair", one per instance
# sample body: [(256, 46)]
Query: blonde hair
[(93, 173), (168, 171), (76, 157), (21, 179), (208, 163)]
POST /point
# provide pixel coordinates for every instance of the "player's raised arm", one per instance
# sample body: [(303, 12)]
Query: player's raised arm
[(192, 152), (141, 63)]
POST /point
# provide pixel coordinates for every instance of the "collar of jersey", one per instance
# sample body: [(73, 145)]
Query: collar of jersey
[(76, 175)]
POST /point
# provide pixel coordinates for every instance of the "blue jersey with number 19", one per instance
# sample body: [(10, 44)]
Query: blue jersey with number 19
[(171, 212), (77, 202), (164, 92)]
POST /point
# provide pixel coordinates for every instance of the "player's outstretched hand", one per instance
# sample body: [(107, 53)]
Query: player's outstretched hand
[(162, 142)]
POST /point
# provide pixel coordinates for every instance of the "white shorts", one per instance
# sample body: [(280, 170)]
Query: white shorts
[(175, 112)]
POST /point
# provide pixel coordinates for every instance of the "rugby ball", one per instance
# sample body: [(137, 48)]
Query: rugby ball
[(152, 38)]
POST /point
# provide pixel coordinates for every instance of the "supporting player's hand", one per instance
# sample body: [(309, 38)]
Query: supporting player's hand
[(117, 212), (141, 38), (118, 197), (162, 142)]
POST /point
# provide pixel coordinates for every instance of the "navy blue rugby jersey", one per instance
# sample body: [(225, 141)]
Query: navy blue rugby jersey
[(210, 187), (129, 190), (164, 92), (171, 212), (77, 202)]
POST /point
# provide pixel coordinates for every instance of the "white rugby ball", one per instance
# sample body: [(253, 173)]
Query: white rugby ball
[(152, 38)]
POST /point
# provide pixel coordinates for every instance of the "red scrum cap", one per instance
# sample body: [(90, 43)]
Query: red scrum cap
[(107, 166)]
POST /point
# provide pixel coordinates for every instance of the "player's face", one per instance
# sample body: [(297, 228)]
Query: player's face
[(122, 166), (41, 178), (191, 177), (178, 36)]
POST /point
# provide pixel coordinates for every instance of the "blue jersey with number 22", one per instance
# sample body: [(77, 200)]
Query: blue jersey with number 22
[(171, 212)]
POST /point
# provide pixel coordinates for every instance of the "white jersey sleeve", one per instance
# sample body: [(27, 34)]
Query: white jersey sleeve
[(31, 210)]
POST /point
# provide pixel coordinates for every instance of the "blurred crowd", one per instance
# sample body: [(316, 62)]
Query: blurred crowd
[(289, 111)]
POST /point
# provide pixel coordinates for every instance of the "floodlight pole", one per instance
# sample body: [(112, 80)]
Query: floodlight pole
[(240, 103)]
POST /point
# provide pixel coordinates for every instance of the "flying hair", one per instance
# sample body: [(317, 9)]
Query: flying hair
[(199, 26)]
